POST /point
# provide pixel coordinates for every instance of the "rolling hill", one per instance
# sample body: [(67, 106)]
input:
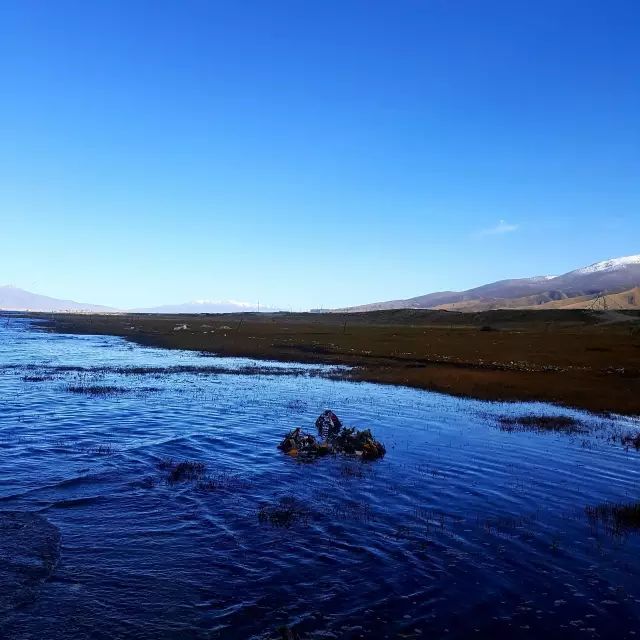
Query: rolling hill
[(608, 284)]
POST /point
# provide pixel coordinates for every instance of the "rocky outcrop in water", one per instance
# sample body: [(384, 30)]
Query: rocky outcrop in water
[(334, 438), (29, 553)]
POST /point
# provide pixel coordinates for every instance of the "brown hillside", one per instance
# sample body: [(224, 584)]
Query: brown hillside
[(624, 300)]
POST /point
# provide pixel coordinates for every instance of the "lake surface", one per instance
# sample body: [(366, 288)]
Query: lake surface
[(462, 529)]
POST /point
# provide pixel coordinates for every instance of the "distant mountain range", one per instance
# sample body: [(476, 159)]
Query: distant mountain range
[(611, 284), (206, 306), (14, 299)]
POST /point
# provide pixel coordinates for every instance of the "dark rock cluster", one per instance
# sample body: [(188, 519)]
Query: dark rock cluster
[(333, 437)]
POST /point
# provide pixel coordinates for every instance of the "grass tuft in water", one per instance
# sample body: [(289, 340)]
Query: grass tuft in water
[(286, 512), (103, 450), (187, 470), (288, 633), (36, 378), (221, 482), (351, 471), (630, 440), (95, 390), (541, 424), (615, 517)]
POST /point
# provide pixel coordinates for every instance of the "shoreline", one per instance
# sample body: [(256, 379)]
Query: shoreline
[(580, 359)]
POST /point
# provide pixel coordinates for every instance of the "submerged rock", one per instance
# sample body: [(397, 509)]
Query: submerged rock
[(29, 553), (336, 438)]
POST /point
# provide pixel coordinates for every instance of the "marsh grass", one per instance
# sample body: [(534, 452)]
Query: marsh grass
[(102, 450), (288, 633), (352, 511), (221, 482), (37, 378), (159, 372), (72, 447), (108, 390), (352, 471), (284, 513), (616, 518), (630, 440), (185, 471), (541, 424), (96, 390)]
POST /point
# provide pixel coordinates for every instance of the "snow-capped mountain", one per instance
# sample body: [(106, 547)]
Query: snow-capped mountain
[(615, 264), (207, 306), (615, 275)]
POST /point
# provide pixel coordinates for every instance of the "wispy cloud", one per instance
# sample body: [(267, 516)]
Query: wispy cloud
[(500, 229)]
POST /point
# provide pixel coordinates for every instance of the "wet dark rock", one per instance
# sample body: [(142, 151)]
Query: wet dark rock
[(298, 442), (351, 441), (29, 553), (336, 439), (328, 424)]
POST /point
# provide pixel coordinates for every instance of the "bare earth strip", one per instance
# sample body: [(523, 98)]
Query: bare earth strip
[(577, 358)]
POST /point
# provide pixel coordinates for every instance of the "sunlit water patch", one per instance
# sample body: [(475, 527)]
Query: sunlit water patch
[(464, 527)]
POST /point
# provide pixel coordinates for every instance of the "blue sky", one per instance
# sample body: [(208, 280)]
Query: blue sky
[(312, 154)]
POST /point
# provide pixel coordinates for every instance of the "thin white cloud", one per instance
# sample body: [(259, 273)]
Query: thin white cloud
[(500, 229)]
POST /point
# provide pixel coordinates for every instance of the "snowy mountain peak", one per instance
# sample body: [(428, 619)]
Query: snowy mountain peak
[(610, 265), (236, 303)]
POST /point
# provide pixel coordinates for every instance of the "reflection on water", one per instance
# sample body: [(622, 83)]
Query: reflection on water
[(462, 529)]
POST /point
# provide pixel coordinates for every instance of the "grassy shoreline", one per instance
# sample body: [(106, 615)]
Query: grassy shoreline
[(582, 359)]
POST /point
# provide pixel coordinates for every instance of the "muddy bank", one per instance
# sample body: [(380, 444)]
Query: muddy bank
[(29, 553), (575, 358)]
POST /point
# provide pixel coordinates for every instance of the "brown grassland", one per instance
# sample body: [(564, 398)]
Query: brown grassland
[(579, 358)]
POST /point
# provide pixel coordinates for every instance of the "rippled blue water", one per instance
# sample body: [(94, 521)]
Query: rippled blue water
[(461, 529)]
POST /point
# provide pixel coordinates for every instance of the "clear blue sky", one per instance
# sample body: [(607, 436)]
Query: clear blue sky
[(313, 153)]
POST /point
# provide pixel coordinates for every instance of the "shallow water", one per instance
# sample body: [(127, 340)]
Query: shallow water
[(462, 529)]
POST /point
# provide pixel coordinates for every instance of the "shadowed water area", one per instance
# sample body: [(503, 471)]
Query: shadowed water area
[(463, 528)]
